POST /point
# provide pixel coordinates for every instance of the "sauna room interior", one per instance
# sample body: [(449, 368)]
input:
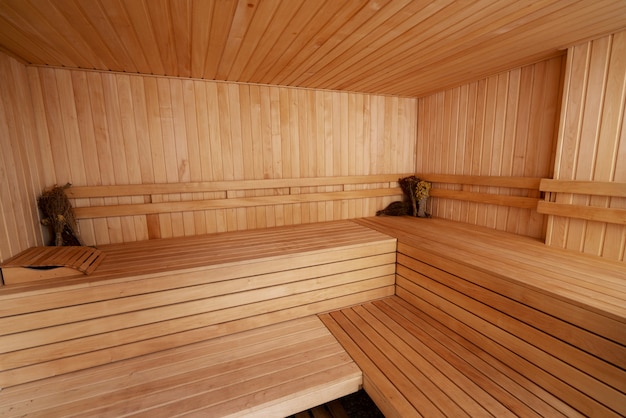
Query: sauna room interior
[(183, 119), (139, 93)]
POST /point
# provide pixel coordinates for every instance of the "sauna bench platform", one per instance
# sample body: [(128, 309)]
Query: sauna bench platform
[(487, 323), (237, 306), (441, 319)]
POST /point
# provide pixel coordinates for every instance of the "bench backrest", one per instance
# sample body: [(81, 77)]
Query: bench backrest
[(560, 200), (485, 189), (194, 196)]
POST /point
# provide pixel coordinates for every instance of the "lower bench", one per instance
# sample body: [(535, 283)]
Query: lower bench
[(157, 301), (272, 371), (488, 323)]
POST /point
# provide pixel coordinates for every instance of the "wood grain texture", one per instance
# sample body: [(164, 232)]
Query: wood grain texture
[(156, 295), (414, 365), (555, 319), (592, 145), (500, 126), (22, 167), (396, 47), (271, 371), (126, 129)]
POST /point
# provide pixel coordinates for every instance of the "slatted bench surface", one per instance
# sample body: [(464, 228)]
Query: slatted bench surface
[(595, 284), (143, 258), (555, 317), (162, 294), (272, 371), (414, 365)]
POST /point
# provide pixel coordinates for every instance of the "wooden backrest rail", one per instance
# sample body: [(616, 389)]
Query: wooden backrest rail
[(489, 196), (560, 200), (195, 196), (229, 194)]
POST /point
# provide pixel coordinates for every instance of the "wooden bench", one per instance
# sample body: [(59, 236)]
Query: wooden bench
[(166, 323), (469, 321), (490, 323)]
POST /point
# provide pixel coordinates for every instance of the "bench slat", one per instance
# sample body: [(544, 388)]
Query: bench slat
[(491, 181), (596, 188), (488, 198), (590, 213), (81, 192), (133, 209)]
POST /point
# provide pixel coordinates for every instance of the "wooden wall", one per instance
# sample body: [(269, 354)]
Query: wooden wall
[(592, 142), (504, 125), (110, 128), (20, 164)]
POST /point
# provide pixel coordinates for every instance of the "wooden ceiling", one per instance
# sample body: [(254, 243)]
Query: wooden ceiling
[(397, 47)]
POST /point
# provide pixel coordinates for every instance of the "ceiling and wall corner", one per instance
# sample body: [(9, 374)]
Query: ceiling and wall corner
[(395, 47)]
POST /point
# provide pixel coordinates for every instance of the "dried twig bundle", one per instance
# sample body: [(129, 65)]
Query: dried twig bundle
[(58, 214), (416, 193)]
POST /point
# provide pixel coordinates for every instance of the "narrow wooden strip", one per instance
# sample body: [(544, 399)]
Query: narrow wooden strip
[(493, 181), (244, 202), (80, 192), (488, 198), (595, 188), (590, 213)]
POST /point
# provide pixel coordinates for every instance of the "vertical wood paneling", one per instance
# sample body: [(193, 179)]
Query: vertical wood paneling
[(504, 125), (21, 166), (107, 128), (592, 142)]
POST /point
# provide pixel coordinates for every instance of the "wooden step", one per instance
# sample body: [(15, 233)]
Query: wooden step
[(414, 365), (271, 371)]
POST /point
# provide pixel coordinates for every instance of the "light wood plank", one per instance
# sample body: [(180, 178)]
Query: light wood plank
[(598, 188), (590, 213)]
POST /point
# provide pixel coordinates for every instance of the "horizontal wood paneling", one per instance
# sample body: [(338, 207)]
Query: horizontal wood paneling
[(504, 125), (108, 129), (21, 175), (592, 144), (398, 47)]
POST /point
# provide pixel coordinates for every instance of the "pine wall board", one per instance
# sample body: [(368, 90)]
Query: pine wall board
[(21, 174), (504, 125), (592, 143), (110, 128)]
